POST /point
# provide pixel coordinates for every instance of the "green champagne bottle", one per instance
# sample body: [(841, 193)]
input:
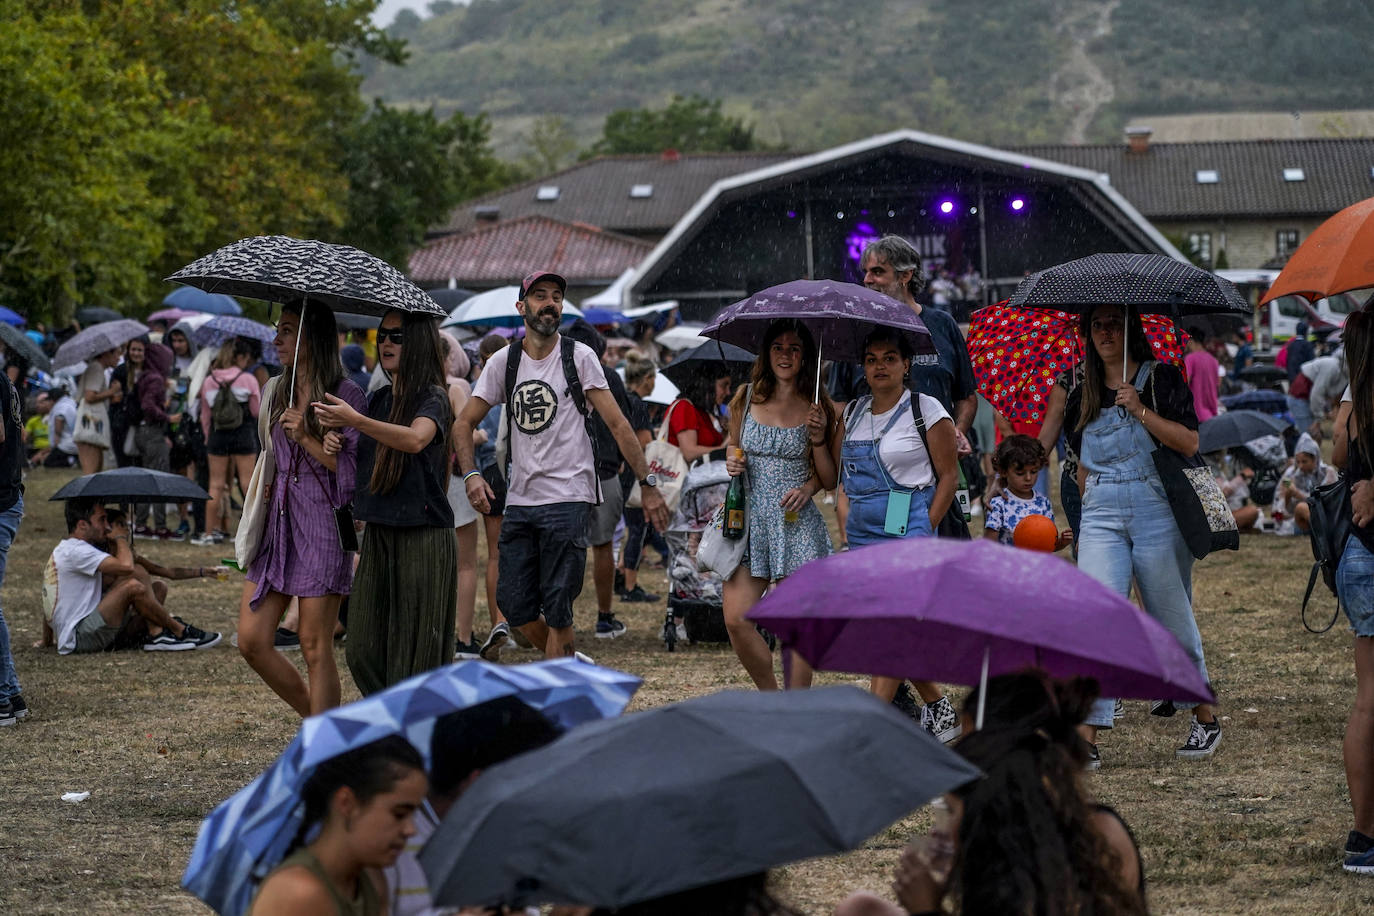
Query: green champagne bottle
[(961, 495), (734, 509)]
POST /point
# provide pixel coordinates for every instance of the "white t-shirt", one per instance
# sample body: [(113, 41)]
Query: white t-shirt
[(551, 455), (78, 587), (66, 409), (902, 454)]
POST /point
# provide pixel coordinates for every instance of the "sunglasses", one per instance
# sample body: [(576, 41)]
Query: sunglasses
[(395, 335)]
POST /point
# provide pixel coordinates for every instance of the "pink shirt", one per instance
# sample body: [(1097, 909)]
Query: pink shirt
[(550, 453), (1203, 378), (243, 385)]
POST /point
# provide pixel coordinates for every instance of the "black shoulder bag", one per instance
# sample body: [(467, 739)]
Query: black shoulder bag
[(1329, 526), (953, 524)]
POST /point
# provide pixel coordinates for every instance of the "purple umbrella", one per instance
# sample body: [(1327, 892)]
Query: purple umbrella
[(839, 315), (171, 316), (960, 611)]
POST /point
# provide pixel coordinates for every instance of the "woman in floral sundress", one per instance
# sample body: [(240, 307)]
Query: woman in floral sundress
[(786, 443)]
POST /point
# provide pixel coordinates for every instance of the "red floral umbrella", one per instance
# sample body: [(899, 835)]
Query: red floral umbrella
[(1018, 353)]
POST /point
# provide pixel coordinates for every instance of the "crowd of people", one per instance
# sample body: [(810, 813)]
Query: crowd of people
[(383, 462)]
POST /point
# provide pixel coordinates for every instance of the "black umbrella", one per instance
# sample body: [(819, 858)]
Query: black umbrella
[(94, 314), (1262, 374), (132, 485), (449, 298), (280, 269), (356, 322), (716, 787), (711, 357), (22, 344), (1266, 401), (1146, 282), (1235, 428)]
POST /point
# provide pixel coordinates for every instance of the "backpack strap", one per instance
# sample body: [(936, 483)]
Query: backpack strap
[(513, 353), (921, 429), (579, 396)]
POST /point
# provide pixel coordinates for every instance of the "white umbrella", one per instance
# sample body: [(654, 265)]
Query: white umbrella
[(496, 308), (610, 297), (650, 309), (665, 392), (681, 337)]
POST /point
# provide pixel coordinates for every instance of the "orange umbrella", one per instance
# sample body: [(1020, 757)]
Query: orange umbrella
[(1336, 258)]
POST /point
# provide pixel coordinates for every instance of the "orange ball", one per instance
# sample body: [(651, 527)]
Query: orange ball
[(1035, 532)]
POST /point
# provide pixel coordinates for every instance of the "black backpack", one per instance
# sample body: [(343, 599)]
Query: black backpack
[(579, 399)]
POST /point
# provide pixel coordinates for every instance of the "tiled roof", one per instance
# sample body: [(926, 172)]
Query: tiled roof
[(503, 253), (1162, 182), (598, 191)]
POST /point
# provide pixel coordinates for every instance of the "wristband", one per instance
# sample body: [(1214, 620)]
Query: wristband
[(471, 473)]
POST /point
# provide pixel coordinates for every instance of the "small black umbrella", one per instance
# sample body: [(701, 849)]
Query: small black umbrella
[(94, 314), (1266, 401), (712, 356), (132, 485), (356, 322), (1146, 282), (22, 344), (712, 788), (280, 269), (1235, 428), (1262, 374)]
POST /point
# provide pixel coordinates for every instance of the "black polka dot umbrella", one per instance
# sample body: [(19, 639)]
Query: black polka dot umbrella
[(281, 269), (1148, 282)]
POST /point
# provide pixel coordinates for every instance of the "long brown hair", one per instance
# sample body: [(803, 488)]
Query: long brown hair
[(766, 383), (321, 348), (1095, 373), (419, 371), (1358, 337)]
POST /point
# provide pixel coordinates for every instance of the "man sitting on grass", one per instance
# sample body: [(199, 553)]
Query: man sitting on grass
[(90, 615)]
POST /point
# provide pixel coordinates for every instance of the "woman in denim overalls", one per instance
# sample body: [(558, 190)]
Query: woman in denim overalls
[(868, 480), (1128, 529)]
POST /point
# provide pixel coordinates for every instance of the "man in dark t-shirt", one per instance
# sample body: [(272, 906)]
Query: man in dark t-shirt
[(12, 705)]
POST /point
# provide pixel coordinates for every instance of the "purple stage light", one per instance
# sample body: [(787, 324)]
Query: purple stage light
[(1018, 204), (946, 207)]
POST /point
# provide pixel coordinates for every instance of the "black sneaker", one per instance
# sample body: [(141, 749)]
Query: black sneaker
[(21, 709), (496, 641), (1165, 709), (7, 716), (285, 640), (607, 627), (1357, 843), (200, 638), (167, 642), (638, 595), (942, 720), (1203, 739), (906, 704), (466, 651)]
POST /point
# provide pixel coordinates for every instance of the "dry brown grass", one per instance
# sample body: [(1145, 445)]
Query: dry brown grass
[(158, 739)]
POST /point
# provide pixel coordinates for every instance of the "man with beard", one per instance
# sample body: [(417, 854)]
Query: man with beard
[(547, 383)]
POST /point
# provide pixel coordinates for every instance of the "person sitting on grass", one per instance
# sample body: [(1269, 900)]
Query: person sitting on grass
[(1011, 496), (1027, 837), (1305, 474), (363, 802), (464, 744), (90, 616)]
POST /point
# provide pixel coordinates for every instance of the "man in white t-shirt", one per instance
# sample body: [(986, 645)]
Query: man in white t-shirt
[(91, 615), (552, 482)]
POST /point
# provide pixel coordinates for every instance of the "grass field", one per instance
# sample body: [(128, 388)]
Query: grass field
[(159, 738)]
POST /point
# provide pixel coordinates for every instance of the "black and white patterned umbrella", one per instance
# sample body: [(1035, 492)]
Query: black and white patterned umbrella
[(1150, 283), (279, 269)]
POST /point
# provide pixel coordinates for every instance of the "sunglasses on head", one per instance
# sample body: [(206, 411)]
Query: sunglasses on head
[(395, 335)]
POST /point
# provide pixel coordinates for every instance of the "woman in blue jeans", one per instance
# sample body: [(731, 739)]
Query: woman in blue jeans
[(884, 462), (1355, 582), (1127, 531)]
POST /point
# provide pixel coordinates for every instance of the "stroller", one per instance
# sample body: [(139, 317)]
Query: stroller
[(694, 595), (1267, 456)]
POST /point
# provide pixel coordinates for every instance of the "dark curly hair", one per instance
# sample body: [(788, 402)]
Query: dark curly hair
[(1027, 842), (1018, 451)]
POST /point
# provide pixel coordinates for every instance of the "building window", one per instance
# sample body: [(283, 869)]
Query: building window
[(1294, 175), (641, 190), (1285, 242), (1207, 176), (1200, 248), (546, 192)]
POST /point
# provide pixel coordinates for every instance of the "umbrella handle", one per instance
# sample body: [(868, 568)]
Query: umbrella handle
[(983, 688), (816, 397)]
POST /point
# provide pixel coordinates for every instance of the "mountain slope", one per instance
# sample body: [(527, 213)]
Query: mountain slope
[(810, 73)]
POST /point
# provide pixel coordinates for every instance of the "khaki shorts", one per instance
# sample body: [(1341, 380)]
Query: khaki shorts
[(605, 517), (93, 634)]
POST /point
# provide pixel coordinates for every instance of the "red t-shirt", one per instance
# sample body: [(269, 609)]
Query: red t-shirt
[(684, 415)]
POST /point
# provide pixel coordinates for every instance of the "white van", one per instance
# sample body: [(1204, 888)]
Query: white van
[(1279, 319)]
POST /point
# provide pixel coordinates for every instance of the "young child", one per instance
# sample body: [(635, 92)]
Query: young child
[(1018, 461)]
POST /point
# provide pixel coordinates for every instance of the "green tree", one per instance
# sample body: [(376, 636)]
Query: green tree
[(406, 170), (550, 145), (690, 125)]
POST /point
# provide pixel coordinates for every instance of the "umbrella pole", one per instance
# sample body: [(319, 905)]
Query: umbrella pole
[(816, 397), (296, 356), (983, 688), (1125, 342)]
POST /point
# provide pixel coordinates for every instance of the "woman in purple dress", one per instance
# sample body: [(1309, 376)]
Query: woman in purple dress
[(300, 555)]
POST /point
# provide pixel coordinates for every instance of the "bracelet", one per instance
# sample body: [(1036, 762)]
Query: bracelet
[(471, 473), (1142, 414), (200, 572)]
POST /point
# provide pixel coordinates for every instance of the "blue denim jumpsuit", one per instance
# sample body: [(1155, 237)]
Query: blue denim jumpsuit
[(866, 483), (1128, 529)]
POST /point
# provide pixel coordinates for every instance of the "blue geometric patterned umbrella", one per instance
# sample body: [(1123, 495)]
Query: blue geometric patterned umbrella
[(246, 835)]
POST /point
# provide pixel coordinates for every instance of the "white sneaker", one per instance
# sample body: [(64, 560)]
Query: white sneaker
[(584, 658)]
